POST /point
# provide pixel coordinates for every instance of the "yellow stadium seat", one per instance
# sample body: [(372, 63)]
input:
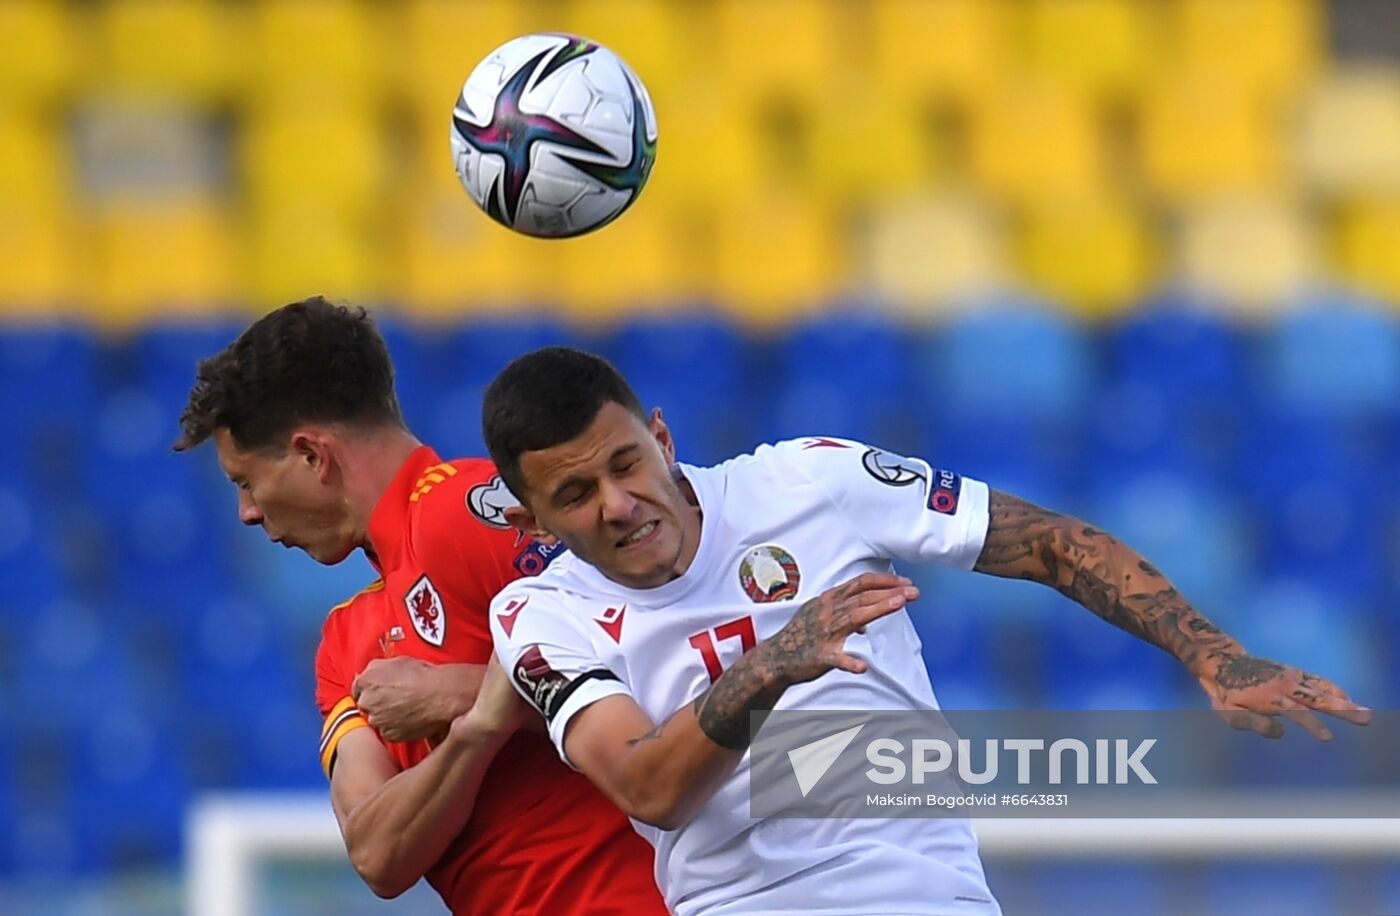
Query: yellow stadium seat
[(1268, 48), (158, 257), (706, 150), (299, 251), (1094, 256), (329, 157), (1102, 47), (452, 259), (1202, 137), (940, 48), (864, 145), (35, 166), (776, 255), (306, 53), (436, 43), (39, 272), (780, 47), (42, 50), (1034, 140), (927, 253), (1367, 242), (187, 49), (1350, 137), (641, 261), (1251, 252)]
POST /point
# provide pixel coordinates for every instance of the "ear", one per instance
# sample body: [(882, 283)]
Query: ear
[(313, 447), (662, 433), (524, 521)]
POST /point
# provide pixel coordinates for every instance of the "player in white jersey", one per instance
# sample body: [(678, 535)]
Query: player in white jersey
[(694, 596)]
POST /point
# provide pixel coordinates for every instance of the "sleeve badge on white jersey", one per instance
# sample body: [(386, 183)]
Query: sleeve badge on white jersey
[(425, 612), (893, 470), (489, 501), (769, 573)]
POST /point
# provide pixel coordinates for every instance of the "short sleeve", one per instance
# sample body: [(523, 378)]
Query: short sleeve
[(903, 507), (340, 715), (552, 665)]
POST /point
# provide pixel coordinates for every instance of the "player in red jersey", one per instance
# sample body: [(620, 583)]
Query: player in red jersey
[(302, 411)]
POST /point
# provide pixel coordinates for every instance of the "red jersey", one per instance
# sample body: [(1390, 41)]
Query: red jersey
[(541, 838)]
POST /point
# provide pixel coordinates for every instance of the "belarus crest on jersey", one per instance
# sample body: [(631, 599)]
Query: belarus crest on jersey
[(769, 573), (425, 611)]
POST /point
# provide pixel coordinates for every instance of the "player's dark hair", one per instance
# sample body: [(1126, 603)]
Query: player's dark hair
[(544, 399), (308, 362)]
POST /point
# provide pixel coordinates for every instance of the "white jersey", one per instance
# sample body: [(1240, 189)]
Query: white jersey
[(779, 527)]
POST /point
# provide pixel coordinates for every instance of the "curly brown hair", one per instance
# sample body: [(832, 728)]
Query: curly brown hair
[(310, 361)]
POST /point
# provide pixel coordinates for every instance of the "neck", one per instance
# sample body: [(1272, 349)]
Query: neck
[(370, 462)]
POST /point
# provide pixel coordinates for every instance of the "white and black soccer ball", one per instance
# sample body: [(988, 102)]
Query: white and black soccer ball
[(553, 135)]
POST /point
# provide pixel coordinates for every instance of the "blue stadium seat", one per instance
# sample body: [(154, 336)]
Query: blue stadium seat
[(1253, 889), (49, 374), (1335, 357), (1315, 489), (1103, 889), (1181, 349), (1017, 361), (851, 374), (694, 367)]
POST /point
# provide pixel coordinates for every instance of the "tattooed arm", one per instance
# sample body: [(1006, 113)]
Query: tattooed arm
[(1109, 578), (663, 774)]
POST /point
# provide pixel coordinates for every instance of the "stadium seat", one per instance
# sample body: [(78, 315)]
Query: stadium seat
[(1239, 888), (38, 276), (787, 48), (928, 254), (777, 256), (636, 264), (1098, 889), (1368, 234), (43, 53), (1335, 357), (1104, 48), (1267, 47), (34, 162), (299, 249), (1251, 254), (1200, 137), (1350, 133), (1094, 254), (1051, 357), (650, 35), (194, 271), (974, 39), (304, 54), (1044, 116), (174, 48), (283, 157)]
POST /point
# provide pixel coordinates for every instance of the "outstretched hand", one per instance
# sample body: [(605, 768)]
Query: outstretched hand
[(1255, 694)]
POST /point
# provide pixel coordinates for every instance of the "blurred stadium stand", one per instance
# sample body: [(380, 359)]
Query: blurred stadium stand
[(1136, 259)]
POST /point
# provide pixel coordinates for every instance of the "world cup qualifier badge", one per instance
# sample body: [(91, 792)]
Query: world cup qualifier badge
[(768, 574)]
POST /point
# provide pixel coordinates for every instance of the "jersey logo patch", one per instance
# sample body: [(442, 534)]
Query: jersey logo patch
[(425, 612), (535, 557), (944, 492), (892, 470), (769, 573), (611, 622), (489, 501), (512, 611), (540, 682), (823, 442)]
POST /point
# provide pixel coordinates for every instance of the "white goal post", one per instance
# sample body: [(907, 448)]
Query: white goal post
[(229, 836)]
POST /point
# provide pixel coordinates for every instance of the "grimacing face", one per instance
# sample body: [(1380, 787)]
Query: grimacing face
[(293, 496), (610, 496)]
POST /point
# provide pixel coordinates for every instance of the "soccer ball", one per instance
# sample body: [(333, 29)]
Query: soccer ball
[(553, 135)]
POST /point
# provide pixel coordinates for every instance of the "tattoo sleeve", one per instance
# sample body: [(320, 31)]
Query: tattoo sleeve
[(750, 685), (1109, 578)]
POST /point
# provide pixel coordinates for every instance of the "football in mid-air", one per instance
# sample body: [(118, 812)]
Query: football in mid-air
[(553, 135)]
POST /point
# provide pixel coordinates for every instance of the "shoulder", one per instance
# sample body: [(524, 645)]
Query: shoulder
[(345, 624), (460, 511), (543, 606), (791, 466)]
